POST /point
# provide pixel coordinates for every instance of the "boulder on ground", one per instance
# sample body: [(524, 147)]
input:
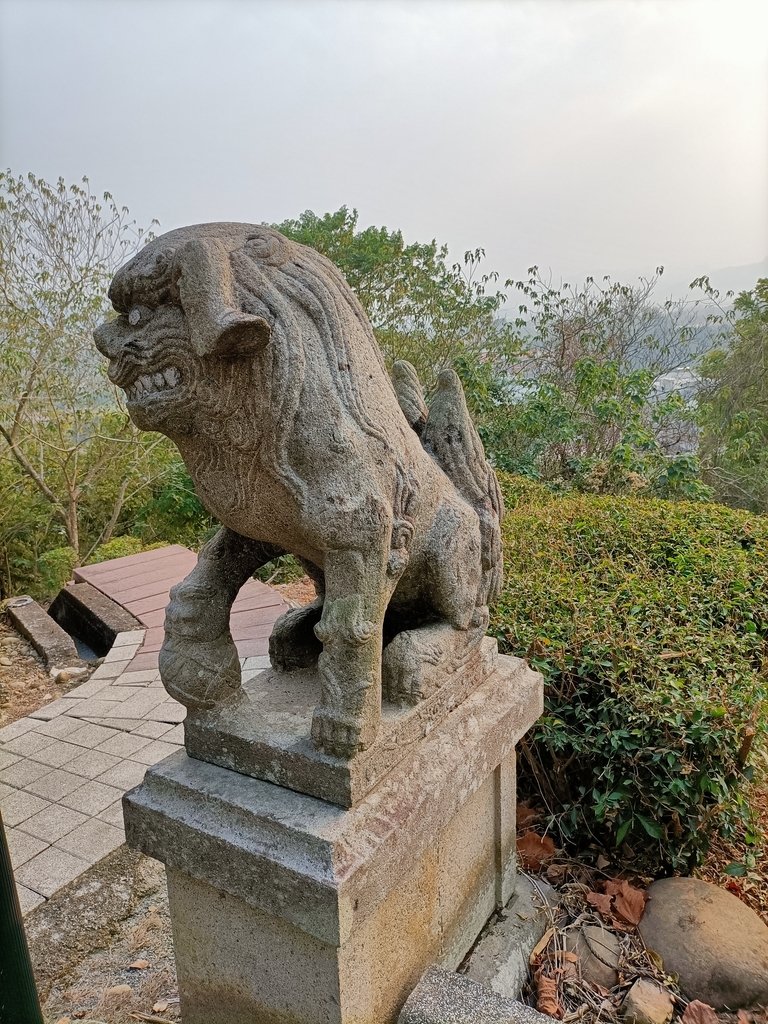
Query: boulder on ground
[(598, 951), (714, 943), (647, 1002)]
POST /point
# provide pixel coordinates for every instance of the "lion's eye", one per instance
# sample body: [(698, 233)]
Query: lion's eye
[(134, 316)]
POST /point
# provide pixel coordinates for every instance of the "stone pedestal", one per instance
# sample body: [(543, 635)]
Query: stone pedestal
[(287, 908)]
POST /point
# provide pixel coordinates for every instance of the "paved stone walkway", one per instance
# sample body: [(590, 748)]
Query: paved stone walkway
[(65, 768)]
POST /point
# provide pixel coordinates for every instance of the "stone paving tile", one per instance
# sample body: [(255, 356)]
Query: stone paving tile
[(138, 707), (89, 689), (87, 735), (92, 797), (124, 744), (7, 759), (110, 670), (113, 814), (138, 678), (58, 753), (170, 711), (60, 728), (153, 729), (130, 638), (176, 735), (91, 763), (55, 784), (28, 900), (258, 662), (117, 693), (5, 790), (28, 744), (21, 805), (155, 752), (53, 822), (123, 724), (22, 846), (55, 708), (124, 775), (25, 771), (92, 707), (92, 840), (10, 732), (51, 869), (123, 653)]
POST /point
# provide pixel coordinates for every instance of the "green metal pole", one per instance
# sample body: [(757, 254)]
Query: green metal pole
[(18, 995)]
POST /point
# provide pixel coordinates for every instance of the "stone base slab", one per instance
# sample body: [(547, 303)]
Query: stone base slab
[(265, 731), (286, 908)]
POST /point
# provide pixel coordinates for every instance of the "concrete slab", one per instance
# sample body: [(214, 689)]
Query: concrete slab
[(92, 797), (20, 775), (124, 744), (53, 822), (50, 870), (92, 840), (92, 763), (443, 997), (154, 730), (20, 805), (55, 785), (22, 846), (57, 753), (28, 900)]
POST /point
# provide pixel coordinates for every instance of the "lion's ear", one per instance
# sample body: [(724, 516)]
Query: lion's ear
[(217, 327)]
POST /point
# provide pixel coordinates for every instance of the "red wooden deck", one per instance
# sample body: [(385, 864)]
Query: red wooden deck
[(141, 583)]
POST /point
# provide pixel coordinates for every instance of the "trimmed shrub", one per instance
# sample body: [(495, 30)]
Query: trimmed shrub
[(649, 622), (118, 547), (54, 569)]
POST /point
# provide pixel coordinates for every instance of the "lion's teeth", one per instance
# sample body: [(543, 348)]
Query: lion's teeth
[(159, 380), (172, 376)]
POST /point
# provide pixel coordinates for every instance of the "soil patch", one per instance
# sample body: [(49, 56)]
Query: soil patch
[(25, 685)]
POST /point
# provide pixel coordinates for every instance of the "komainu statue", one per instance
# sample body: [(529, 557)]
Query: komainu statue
[(254, 356)]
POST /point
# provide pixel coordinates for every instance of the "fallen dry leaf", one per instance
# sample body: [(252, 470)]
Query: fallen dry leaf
[(546, 995), (743, 1017), (697, 1012), (541, 945), (138, 965), (602, 904), (668, 655), (602, 862), (525, 815), (628, 901), (161, 1006), (64, 1020), (534, 851)]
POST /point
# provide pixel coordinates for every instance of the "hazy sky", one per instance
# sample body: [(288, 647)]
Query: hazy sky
[(588, 136)]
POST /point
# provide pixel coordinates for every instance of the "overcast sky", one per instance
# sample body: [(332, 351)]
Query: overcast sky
[(588, 136)]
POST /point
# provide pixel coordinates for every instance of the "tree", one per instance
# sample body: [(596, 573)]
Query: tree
[(423, 308), (600, 397), (733, 405), (64, 434)]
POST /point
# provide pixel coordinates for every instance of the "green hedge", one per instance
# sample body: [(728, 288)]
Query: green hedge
[(649, 622)]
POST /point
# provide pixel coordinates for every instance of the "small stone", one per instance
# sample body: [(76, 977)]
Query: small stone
[(647, 1002), (6, 662), (598, 951), (67, 675), (119, 990), (714, 943)]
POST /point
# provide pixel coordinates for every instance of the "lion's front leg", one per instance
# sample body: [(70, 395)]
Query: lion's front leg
[(199, 664), (350, 629)]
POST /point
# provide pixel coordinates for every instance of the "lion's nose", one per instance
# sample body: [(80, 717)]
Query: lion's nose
[(106, 340)]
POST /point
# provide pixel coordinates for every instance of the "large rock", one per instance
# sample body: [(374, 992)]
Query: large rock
[(716, 945)]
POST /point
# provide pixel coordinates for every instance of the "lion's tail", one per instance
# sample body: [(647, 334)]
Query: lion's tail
[(449, 436)]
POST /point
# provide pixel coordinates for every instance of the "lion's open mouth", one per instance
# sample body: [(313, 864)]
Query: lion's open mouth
[(153, 384)]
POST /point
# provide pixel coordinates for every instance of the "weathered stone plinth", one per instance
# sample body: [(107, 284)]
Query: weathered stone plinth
[(265, 731), (289, 909)]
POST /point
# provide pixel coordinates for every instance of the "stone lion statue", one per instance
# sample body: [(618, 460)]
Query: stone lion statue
[(254, 356)]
